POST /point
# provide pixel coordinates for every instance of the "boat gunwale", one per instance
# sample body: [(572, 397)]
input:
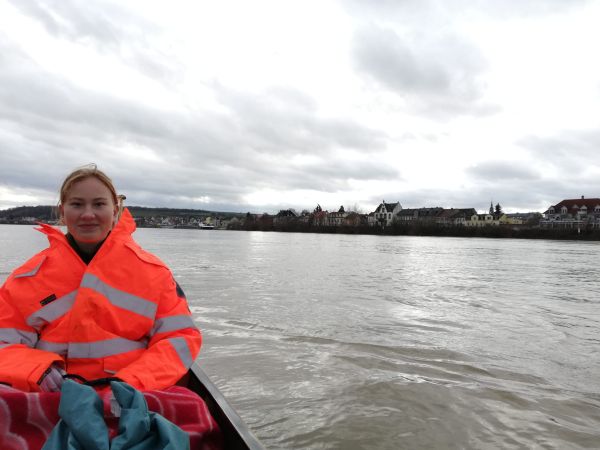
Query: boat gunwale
[(236, 434)]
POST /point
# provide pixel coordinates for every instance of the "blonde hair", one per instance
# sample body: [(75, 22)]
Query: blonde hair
[(87, 171)]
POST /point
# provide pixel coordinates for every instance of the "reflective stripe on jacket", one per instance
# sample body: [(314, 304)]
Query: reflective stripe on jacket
[(120, 316)]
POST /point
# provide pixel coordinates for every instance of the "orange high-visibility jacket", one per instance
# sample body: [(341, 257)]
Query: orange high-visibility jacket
[(119, 316)]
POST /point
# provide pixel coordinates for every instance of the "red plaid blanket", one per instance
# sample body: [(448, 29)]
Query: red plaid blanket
[(26, 418)]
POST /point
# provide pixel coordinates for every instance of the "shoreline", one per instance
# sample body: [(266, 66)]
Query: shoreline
[(494, 232)]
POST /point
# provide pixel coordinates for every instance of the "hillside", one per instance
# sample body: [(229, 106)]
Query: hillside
[(47, 213)]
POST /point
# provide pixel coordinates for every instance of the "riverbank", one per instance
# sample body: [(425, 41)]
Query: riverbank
[(511, 231)]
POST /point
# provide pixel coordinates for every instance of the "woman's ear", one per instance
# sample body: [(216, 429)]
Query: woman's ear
[(61, 214)]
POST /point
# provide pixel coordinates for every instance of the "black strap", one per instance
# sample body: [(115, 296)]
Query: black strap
[(102, 381), (93, 383), (74, 376)]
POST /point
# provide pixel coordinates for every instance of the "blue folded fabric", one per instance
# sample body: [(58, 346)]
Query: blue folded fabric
[(82, 425)]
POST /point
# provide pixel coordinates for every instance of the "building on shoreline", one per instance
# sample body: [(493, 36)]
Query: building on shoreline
[(581, 213), (386, 213), (573, 213)]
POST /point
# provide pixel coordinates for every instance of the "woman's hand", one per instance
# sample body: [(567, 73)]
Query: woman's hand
[(52, 379)]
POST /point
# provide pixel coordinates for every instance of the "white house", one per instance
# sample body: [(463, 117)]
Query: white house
[(386, 212)]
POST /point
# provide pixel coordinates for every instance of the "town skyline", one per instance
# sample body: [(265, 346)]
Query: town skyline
[(348, 208), (560, 221)]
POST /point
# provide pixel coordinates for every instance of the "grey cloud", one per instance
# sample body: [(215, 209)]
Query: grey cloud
[(55, 111), (519, 196), (333, 174), (572, 151), (389, 59), (436, 74), (501, 171), (35, 98), (517, 8), (424, 59), (364, 169), (517, 186), (110, 28), (66, 19), (286, 121), (50, 126), (430, 10), (228, 184)]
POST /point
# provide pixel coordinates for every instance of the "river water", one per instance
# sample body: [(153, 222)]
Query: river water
[(390, 342)]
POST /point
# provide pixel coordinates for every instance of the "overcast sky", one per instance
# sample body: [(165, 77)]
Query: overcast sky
[(262, 105)]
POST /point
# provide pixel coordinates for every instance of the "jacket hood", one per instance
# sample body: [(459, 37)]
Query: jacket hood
[(126, 224)]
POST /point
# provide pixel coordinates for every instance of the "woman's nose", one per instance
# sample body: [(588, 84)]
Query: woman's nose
[(88, 211)]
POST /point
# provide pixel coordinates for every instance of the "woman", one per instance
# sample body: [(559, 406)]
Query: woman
[(94, 303)]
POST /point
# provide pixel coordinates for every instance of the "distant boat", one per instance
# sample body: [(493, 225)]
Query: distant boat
[(206, 226)]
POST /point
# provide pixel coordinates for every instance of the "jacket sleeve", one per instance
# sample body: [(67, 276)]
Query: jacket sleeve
[(21, 365), (173, 346)]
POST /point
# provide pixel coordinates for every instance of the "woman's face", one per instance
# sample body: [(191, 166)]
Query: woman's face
[(89, 211)]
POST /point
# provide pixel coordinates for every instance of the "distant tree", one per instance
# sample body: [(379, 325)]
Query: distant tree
[(341, 210), (265, 222), (353, 219), (318, 209), (534, 219), (355, 208), (498, 209)]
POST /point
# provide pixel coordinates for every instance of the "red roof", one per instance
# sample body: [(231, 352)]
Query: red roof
[(575, 204)]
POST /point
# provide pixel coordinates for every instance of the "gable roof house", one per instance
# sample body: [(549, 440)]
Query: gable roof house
[(335, 219), (285, 216), (420, 214), (481, 220), (354, 219), (454, 216), (386, 213), (522, 218), (437, 215), (568, 213), (407, 215)]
